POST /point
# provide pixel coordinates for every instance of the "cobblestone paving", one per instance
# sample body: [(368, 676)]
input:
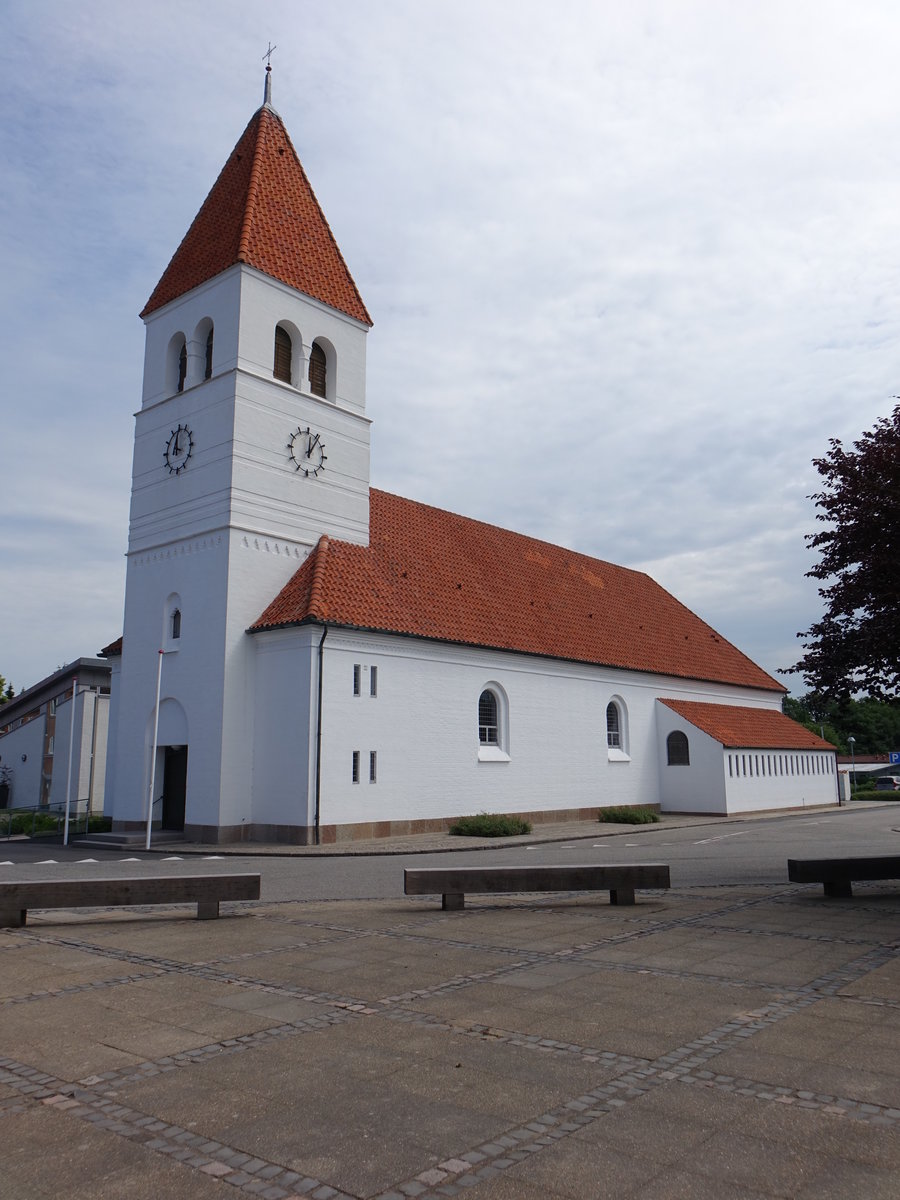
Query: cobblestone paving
[(553, 976)]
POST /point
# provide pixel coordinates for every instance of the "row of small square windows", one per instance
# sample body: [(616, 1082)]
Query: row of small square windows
[(740, 765)]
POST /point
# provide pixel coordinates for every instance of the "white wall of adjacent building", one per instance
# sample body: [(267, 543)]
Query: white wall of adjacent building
[(89, 746), (21, 750)]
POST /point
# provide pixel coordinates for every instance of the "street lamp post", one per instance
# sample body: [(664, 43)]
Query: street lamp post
[(851, 741)]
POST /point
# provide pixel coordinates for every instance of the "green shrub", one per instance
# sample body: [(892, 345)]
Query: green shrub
[(27, 822), (629, 816), (489, 825)]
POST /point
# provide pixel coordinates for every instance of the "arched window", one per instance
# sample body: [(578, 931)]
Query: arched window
[(488, 728), (207, 373), (613, 727), (283, 353), (318, 370), (182, 366), (677, 750), (176, 624)]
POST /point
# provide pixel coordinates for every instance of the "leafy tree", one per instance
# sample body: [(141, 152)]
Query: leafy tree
[(7, 691), (875, 724), (856, 646)]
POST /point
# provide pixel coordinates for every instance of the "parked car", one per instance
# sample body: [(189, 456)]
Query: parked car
[(887, 783)]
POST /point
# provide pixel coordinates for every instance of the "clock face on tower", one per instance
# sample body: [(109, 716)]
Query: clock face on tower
[(307, 451), (179, 448)]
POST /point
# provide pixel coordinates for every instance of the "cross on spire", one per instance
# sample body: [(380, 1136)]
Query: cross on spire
[(267, 94)]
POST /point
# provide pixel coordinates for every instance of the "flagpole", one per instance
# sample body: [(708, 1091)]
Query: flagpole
[(69, 776), (153, 755)]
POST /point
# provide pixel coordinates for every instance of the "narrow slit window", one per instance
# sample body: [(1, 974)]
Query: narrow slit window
[(373, 765), (613, 728), (354, 770), (176, 624), (357, 677), (182, 366), (373, 681), (207, 373)]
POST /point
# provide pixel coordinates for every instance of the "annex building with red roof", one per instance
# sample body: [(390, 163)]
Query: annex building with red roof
[(307, 658)]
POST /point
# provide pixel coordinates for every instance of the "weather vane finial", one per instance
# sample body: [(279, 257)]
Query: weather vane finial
[(267, 95)]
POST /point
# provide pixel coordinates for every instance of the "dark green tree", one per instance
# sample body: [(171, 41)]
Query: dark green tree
[(856, 646), (875, 724), (7, 691)]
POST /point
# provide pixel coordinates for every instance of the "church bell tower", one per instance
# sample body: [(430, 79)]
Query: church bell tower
[(251, 442)]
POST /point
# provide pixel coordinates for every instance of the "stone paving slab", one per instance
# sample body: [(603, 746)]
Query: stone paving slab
[(715, 1042)]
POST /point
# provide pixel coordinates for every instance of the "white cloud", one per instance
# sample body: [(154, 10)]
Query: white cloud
[(630, 269)]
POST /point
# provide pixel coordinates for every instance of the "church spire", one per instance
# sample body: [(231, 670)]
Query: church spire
[(267, 92), (262, 212)]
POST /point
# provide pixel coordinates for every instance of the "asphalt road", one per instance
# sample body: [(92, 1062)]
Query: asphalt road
[(736, 852)]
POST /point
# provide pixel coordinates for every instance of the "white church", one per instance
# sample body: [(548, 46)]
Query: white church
[(335, 662)]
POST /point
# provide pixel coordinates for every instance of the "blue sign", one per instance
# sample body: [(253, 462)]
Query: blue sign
[(895, 757)]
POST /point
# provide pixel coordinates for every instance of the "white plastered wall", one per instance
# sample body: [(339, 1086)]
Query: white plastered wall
[(768, 779), (698, 787), (423, 727)]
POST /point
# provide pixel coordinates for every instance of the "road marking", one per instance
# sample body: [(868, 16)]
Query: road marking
[(45, 862), (171, 858), (84, 860), (721, 837), (9, 863), (212, 857), (129, 860)]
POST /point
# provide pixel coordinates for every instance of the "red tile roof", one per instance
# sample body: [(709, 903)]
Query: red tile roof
[(747, 728), (263, 212), (113, 649), (431, 574)]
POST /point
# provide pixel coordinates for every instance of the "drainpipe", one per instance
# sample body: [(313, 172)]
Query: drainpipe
[(319, 731)]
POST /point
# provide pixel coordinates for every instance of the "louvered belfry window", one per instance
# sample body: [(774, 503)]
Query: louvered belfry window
[(317, 370), (182, 366), (282, 367), (207, 374)]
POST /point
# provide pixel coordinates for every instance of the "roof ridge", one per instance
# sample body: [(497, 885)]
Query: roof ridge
[(252, 192), (317, 604)]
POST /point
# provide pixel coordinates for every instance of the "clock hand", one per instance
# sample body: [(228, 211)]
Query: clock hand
[(312, 443)]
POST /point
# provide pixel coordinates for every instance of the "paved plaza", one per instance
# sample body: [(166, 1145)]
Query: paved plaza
[(713, 1041)]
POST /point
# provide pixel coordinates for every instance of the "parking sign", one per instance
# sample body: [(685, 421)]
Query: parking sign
[(895, 757)]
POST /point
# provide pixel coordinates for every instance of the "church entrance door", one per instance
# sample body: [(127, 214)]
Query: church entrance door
[(174, 787)]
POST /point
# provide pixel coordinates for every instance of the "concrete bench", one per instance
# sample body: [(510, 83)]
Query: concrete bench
[(452, 883), (838, 874), (203, 890)]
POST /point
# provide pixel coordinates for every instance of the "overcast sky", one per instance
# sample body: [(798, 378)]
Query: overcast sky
[(630, 267)]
